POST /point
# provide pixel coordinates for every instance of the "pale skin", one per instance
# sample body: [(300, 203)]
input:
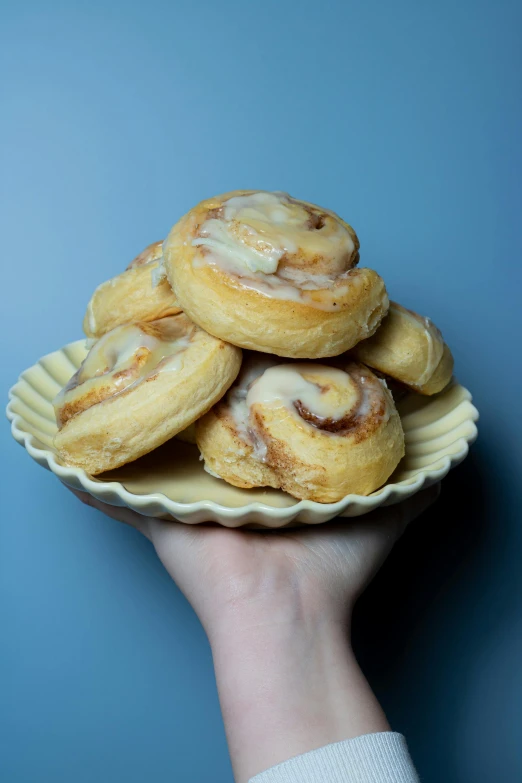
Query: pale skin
[(276, 607)]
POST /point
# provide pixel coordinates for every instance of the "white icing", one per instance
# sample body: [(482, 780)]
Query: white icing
[(245, 249), (91, 320), (306, 281), (158, 273), (370, 396), (283, 385), (116, 352), (279, 287), (174, 360), (237, 401), (260, 205), (257, 230), (268, 383)]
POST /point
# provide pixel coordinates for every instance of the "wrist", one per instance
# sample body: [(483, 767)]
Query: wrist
[(288, 681), (278, 597)]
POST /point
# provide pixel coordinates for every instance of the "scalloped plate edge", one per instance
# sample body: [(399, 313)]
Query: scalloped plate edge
[(309, 512)]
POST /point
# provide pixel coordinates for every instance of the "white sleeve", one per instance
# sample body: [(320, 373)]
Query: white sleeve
[(372, 758)]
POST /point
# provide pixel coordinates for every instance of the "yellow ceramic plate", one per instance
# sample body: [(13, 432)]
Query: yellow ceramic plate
[(170, 482)]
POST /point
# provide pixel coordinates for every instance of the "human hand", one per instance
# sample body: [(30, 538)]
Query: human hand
[(223, 571), (276, 608)]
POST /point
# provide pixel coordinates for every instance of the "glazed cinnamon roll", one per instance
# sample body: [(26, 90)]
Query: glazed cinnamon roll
[(141, 293), (271, 273), (140, 385), (410, 349), (316, 431)]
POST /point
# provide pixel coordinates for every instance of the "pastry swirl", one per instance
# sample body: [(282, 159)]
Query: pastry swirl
[(410, 349), (319, 432), (141, 293), (140, 385), (268, 272)]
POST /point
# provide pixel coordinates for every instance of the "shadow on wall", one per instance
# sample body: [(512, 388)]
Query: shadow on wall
[(422, 563), (416, 629)]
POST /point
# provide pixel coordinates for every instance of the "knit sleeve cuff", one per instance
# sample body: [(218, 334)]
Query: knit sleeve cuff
[(372, 758)]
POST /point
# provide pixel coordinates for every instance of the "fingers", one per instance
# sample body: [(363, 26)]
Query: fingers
[(120, 513), (394, 518), (378, 530)]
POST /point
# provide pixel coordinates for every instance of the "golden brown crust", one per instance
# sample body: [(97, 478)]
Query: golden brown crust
[(134, 295), (227, 306), (441, 376), (303, 456), (101, 391), (152, 252), (104, 427), (410, 349)]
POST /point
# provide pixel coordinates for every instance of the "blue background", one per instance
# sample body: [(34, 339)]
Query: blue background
[(406, 119)]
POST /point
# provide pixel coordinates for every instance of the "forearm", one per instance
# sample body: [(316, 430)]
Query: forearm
[(288, 683)]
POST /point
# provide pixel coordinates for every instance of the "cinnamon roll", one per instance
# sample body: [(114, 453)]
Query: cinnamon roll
[(410, 349), (139, 385), (141, 293), (319, 432), (271, 273)]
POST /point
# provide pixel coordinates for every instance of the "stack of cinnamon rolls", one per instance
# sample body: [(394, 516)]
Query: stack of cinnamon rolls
[(253, 331)]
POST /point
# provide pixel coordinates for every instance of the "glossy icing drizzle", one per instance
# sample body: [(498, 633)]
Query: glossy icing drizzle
[(280, 247), (329, 399), (123, 357)]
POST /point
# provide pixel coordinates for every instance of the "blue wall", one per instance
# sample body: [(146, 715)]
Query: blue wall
[(405, 118)]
